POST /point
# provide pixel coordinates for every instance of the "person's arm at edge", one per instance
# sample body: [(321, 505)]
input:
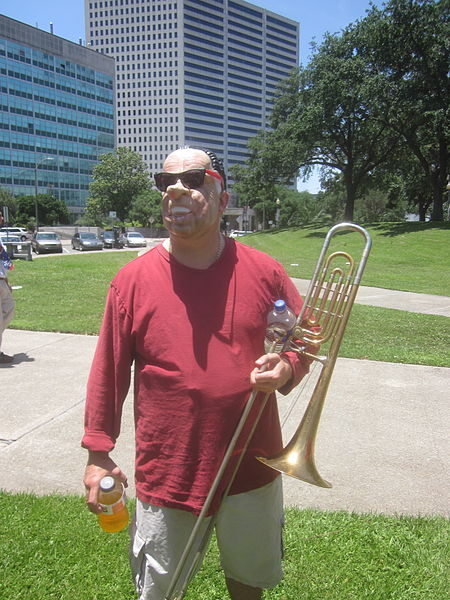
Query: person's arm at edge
[(108, 385)]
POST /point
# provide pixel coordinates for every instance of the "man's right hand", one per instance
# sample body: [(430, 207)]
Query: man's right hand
[(99, 465)]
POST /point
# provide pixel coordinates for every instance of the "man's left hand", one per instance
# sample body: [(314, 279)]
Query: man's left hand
[(271, 373)]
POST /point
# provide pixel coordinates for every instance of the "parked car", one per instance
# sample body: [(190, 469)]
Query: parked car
[(237, 233), (109, 239), (86, 241), (20, 231), (15, 247), (46, 241), (134, 239)]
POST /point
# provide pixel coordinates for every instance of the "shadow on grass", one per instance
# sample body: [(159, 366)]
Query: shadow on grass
[(383, 229), (393, 229), (313, 227)]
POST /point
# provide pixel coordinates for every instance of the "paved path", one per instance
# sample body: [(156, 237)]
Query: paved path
[(421, 303), (383, 439)]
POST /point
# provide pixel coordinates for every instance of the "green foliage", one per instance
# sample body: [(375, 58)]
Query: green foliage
[(91, 219), (95, 212), (255, 183), (51, 211), (373, 100), (51, 548), (7, 199), (406, 45), (146, 208), (378, 205), (117, 179), (299, 208)]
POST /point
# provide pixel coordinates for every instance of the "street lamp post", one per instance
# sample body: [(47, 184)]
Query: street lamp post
[(277, 214), (36, 166)]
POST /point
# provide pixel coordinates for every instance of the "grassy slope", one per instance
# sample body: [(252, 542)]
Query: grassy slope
[(412, 257)]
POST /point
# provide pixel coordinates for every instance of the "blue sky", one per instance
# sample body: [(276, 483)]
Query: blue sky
[(316, 18)]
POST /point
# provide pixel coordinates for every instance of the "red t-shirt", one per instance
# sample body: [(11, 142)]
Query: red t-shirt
[(193, 335)]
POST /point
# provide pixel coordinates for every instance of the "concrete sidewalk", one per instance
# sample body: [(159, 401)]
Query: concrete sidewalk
[(383, 438), (421, 303)]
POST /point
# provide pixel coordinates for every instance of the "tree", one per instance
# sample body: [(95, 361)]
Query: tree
[(95, 212), (405, 44), (323, 118), (51, 211), (254, 181), (117, 179), (8, 200), (146, 208), (369, 100), (299, 208)]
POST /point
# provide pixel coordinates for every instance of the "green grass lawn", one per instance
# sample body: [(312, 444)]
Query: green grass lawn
[(53, 549), (64, 293), (412, 257), (67, 294)]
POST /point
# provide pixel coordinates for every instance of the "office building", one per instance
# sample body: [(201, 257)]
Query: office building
[(192, 72), (56, 113)]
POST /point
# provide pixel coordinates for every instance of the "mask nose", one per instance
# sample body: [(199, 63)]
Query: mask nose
[(177, 189)]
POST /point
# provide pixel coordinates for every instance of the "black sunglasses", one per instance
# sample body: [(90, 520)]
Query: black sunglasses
[(192, 179)]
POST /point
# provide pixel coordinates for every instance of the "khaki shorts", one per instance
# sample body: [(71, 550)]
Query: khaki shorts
[(249, 536)]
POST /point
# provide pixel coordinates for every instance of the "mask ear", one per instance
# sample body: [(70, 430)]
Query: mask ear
[(224, 197)]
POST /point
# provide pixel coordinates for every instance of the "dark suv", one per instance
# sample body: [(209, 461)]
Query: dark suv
[(111, 239)]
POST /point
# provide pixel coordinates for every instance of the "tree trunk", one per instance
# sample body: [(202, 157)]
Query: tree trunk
[(439, 182), (437, 211), (350, 188), (422, 211)]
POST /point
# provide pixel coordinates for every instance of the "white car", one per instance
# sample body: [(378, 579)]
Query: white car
[(134, 239), (237, 233), (20, 231)]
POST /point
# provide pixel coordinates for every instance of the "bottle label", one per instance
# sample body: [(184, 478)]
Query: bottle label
[(115, 507)]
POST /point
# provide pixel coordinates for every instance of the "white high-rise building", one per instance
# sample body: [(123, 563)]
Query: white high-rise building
[(192, 72)]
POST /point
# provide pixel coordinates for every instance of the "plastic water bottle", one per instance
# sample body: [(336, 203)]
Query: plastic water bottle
[(280, 322), (114, 515)]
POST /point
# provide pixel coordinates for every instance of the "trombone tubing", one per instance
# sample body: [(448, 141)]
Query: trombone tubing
[(316, 275), (209, 498)]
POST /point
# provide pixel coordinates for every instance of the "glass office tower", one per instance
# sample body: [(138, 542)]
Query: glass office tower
[(192, 72), (56, 113)]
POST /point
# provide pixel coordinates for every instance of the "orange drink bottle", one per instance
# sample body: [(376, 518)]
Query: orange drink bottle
[(114, 515)]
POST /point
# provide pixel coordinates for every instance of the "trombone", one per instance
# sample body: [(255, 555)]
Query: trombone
[(323, 318)]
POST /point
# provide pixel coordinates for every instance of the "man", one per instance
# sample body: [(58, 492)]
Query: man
[(191, 315), (6, 301)]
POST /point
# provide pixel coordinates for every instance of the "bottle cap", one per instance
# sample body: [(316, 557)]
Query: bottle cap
[(107, 483), (280, 305)]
